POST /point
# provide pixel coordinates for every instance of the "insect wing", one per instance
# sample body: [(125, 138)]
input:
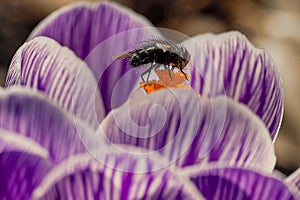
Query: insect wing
[(164, 47), (125, 54)]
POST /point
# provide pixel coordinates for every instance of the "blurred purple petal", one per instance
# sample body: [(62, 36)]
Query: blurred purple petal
[(44, 65), (31, 114), (10, 141), (237, 183), (96, 33), (83, 26), (189, 130), (229, 64), (294, 182), (82, 177), (20, 173)]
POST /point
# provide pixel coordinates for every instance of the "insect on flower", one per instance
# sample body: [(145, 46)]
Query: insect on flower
[(158, 52)]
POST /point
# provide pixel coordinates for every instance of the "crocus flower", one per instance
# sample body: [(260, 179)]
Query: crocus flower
[(75, 126)]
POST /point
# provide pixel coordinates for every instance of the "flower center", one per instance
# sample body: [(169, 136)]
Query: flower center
[(178, 80)]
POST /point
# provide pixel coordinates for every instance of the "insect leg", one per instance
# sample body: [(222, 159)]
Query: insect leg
[(169, 72), (168, 67), (157, 66), (184, 74), (147, 71), (143, 75), (182, 71)]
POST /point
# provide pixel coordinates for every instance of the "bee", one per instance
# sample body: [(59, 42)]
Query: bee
[(158, 52)]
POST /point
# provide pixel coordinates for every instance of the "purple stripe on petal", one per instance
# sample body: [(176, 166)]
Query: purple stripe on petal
[(229, 64), (31, 114), (44, 65), (165, 121), (188, 130), (82, 177), (230, 133), (96, 33), (294, 182), (10, 141), (237, 183), (20, 173)]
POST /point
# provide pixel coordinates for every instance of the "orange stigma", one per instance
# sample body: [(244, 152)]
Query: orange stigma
[(164, 81)]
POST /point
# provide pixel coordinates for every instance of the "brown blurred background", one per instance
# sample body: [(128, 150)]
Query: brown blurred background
[(270, 24)]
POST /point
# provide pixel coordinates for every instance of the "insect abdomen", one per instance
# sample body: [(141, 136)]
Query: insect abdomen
[(143, 56)]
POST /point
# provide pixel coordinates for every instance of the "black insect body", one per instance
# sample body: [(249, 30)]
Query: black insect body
[(158, 52)]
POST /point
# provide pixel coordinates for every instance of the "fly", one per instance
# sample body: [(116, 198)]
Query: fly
[(157, 53)]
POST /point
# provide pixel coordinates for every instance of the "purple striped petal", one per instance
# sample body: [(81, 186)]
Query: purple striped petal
[(31, 114), (294, 182), (44, 65), (237, 183), (20, 173), (188, 130), (10, 141), (231, 133), (162, 121), (82, 177), (229, 64), (97, 32)]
